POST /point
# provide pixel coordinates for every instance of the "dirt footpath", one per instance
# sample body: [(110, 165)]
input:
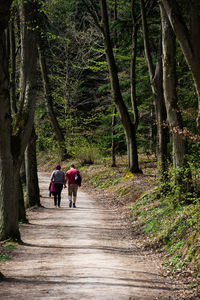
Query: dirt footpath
[(79, 253)]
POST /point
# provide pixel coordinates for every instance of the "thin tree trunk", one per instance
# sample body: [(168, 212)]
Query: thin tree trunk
[(133, 65), (129, 127), (156, 81), (49, 103), (32, 183), (23, 172), (113, 138), (22, 212)]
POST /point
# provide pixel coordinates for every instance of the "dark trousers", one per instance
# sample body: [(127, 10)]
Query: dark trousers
[(57, 193)]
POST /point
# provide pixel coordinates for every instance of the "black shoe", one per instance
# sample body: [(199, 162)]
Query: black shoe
[(74, 205), (70, 203)]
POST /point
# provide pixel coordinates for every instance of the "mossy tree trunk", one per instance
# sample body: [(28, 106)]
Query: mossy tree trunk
[(13, 141)]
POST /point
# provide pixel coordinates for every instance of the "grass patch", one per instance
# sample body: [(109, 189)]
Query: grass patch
[(5, 250), (175, 230)]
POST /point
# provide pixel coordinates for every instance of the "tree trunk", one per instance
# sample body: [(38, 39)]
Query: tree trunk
[(28, 79), (156, 81), (13, 144), (8, 202), (169, 77), (129, 128), (49, 103), (133, 65), (113, 138), (23, 172), (188, 39), (13, 68), (32, 183), (22, 212), (161, 116)]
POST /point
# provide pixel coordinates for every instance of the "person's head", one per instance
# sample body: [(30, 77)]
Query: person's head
[(58, 167), (72, 166)]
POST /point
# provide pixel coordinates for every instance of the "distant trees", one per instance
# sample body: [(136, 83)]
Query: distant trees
[(120, 52)]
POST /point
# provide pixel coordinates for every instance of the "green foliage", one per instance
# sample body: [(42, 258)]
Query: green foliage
[(174, 229), (182, 184), (5, 251), (128, 175), (104, 178), (82, 150), (4, 257)]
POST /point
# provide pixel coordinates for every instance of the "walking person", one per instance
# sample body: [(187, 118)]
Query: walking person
[(58, 178), (73, 184)]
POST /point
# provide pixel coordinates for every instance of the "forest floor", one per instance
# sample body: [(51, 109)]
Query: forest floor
[(88, 252)]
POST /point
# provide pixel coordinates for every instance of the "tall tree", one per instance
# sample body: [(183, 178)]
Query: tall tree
[(188, 37), (128, 125), (135, 21), (13, 141), (169, 79), (156, 81), (48, 100), (8, 212)]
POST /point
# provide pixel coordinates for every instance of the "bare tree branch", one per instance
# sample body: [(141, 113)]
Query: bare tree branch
[(92, 9)]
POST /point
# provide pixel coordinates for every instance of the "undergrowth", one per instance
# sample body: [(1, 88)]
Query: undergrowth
[(174, 229), (5, 250)]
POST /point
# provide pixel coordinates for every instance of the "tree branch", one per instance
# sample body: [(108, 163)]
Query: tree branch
[(92, 9), (173, 11)]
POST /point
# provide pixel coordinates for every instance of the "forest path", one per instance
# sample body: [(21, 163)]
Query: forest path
[(79, 253)]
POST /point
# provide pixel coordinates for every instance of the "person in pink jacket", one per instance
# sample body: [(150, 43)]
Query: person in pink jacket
[(58, 177)]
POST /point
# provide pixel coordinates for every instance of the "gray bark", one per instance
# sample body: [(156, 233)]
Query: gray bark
[(113, 138), (156, 82), (133, 64), (129, 127), (188, 39), (169, 78)]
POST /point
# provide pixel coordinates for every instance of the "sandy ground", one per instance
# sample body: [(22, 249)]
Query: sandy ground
[(80, 253)]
